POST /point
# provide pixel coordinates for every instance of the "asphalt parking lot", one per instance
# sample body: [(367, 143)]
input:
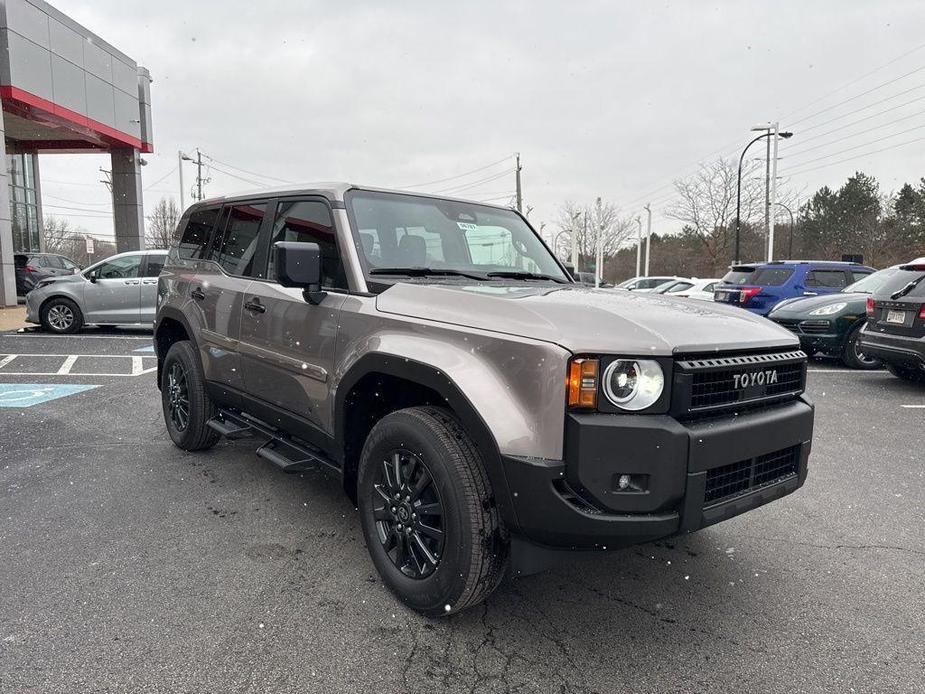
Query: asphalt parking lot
[(129, 565)]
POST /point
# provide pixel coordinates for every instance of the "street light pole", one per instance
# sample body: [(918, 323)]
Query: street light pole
[(599, 251), (638, 244), (575, 240), (790, 240), (648, 209), (180, 169), (784, 135), (773, 199)]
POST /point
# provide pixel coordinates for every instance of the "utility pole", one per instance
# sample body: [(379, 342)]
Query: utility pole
[(767, 183), (773, 193), (599, 251), (198, 175), (638, 244), (180, 169), (520, 197), (648, 209)]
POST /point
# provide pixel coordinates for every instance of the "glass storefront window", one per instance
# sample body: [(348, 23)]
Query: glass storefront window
[(23, 208)]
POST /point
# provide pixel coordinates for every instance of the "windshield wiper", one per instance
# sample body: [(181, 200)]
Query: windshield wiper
[(908, 288), (524, 275), (417, 271)]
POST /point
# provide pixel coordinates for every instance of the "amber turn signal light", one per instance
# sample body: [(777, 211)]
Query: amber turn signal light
[(582, 383)]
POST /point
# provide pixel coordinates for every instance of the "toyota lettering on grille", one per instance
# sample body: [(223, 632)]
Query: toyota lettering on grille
[(755, 378)]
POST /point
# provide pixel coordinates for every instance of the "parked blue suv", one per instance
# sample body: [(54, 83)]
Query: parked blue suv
[(759, 287)]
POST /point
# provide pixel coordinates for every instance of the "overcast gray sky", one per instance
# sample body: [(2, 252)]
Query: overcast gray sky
[(600, 98)]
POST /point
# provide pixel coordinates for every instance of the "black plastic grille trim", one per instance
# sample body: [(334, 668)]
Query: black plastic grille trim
[(729, 481)]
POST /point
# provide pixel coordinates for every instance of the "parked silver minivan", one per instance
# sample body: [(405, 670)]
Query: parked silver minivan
[(120, 290)]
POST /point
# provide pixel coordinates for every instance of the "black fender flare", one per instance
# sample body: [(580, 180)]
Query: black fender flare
[(434, 379), (173, 314)]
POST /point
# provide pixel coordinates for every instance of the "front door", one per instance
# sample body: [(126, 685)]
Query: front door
[(147, 307), (287, 344), (112, 296)]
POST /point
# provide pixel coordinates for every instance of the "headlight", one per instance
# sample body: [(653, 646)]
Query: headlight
[(829, 310), (633, 384), (44, 283)]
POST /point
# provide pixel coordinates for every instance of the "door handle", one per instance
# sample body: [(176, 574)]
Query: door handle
[(255, 306), (131, 282), (810, 293), (197, 294)]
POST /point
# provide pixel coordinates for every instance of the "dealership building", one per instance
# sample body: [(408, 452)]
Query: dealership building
[(64, 89)]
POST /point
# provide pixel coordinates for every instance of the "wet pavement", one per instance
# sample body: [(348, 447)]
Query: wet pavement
[(131, 566)]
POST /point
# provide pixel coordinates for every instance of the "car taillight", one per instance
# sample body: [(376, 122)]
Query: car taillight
[(870, 307), (922, 312), (29, 268), (747, 293)]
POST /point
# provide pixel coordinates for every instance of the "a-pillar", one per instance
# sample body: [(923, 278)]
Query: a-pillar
[(7, 268), (128, 213)]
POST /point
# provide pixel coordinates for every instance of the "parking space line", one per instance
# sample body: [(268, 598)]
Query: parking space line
[(67, 365), (137, 366), (7, 359), (914, 407), (49, 336), (841, 371)]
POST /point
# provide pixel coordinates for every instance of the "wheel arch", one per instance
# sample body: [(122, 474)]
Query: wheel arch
[(424, 382), (171, 326)]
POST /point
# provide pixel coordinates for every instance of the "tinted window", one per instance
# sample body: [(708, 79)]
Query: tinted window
[(196, 233), (309, 221), (651, 282), (826, 278), (678, 287), (68, 263), (119, 268), (155, 265), (54, 261), (770, 276), (238, 250), (738, 275), (20, 260), (859, 274)]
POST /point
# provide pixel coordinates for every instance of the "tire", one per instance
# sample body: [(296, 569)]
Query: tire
[(853, 357), (469, 552), (182, 383), (61, 316), (906, 373)]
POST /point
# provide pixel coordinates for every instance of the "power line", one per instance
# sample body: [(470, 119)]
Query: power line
[(863, 144), (852, 135), (853, 82), (473, 184), (169, 173), (79, 202), (240, 178), (855, 157), (462, 175), (863, 108), (76, 209), (252, 173)]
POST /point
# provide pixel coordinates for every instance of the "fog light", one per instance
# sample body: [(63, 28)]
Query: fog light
[(624, 482)]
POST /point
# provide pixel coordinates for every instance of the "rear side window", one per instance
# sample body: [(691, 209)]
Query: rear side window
[(709, 287), (678, 287), (833, 279), (196, 234), (738, 275), (54, 261), (238, 250), (309, 221), (154, 265), (771, 276)]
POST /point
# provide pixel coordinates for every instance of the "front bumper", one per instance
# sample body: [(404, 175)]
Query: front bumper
[(576, 503), (33, 303), (894, 349)]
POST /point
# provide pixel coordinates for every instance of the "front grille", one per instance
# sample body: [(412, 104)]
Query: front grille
[(789, 323), (728, 481), (815, 327), (709, 384)]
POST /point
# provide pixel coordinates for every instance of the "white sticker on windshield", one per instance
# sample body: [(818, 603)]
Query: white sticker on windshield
[(467, 226)]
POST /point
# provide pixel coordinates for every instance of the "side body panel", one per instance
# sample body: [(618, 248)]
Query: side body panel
[(112, 300)]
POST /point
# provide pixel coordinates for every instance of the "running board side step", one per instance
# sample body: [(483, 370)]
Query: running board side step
[(285, 453)]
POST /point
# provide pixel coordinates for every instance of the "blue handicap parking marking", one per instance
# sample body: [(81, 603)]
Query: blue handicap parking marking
[(149, 348), (29, 394)]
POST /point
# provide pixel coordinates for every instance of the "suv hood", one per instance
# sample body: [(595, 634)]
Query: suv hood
[(585, 320)]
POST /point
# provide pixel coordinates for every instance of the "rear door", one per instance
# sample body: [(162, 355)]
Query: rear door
[(154, 263), (112, 296), (287, 344)]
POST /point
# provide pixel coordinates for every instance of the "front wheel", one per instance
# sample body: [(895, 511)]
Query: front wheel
[(427, 511), (62, 316), (906, 373), (854, 356), (184, 400)]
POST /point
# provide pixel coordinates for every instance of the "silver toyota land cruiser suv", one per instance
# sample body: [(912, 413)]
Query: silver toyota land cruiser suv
[(485, 412)]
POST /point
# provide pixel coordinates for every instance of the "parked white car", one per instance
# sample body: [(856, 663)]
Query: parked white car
[(647, 284), (692, 288)]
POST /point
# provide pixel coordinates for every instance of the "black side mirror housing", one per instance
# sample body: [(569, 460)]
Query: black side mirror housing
[(299, 265)]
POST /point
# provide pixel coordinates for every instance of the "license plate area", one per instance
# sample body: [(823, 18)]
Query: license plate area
[(896, 317)]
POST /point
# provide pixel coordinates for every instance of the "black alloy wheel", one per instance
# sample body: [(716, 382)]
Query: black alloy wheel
[(177, 395), (409, 514)]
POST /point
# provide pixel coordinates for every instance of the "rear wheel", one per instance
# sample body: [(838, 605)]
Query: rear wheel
[(184, 400), (853, 356), (428, 515), (61, 315), (907, 373)]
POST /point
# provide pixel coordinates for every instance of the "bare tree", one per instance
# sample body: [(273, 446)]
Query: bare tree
[(586, 222), (162, 224), (61, 237), (706, 203)]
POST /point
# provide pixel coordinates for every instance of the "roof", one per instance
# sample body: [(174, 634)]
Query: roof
[(333, 191)]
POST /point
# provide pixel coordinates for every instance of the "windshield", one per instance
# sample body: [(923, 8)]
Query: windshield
[(873, 282), (399, 232)]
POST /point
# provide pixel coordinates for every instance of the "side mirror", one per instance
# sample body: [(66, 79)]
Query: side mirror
[(93, 276), (299, 265)]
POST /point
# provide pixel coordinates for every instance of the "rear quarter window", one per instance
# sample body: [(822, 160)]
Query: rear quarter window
[(771, 276), (196, 233), (833, 279)]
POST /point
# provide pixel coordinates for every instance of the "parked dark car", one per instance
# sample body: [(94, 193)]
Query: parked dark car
[(759, 287), (32, 268), (895, 329), (831, 324)]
